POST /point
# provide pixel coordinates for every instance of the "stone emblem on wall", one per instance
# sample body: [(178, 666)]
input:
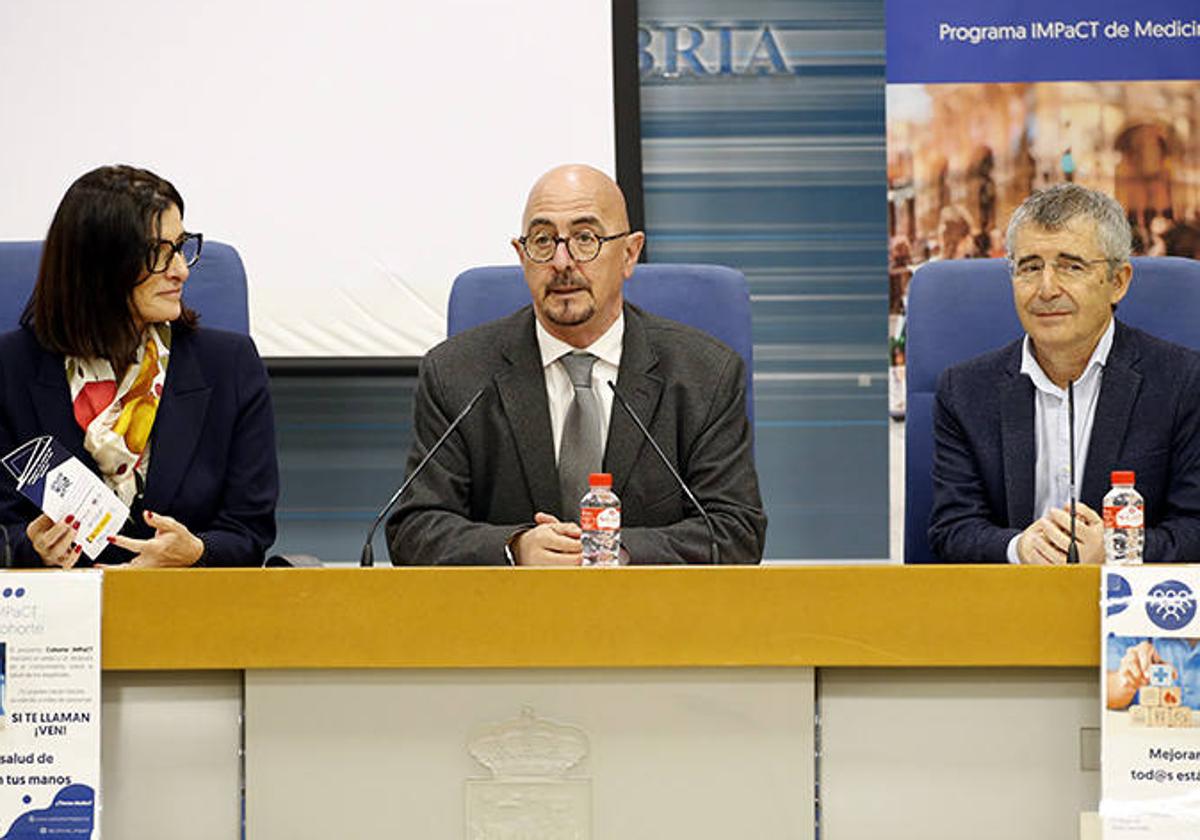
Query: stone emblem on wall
[(529, 795)]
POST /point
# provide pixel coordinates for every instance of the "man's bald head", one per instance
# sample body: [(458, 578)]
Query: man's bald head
[(577, 184), (579, 213)]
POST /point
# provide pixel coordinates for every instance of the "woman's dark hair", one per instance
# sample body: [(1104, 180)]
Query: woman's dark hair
[(94, 256)]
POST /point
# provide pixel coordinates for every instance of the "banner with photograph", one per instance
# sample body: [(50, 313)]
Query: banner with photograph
[(50, 705), (988, 101), (1150, 693)]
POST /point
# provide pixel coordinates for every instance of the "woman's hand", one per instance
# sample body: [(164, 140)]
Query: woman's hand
[(172, 546), (55, 542)]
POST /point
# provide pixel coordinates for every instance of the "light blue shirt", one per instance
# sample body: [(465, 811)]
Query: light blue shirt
[(1051, 425)]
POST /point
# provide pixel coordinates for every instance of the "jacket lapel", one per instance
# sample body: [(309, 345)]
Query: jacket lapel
[(1017, 441), (51, 397), (178, 424), (642, 390), (522, 392), (1118, 391)]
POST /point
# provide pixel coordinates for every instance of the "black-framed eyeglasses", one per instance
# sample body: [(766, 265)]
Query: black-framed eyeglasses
[(583, 245), (159, 254)]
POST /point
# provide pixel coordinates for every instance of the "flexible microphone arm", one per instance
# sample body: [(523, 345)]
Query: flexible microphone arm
[(1073, 548), (368, 555), (714, 551)]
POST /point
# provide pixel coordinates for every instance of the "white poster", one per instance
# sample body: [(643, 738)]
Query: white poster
[(1150, 690), (50, 705)]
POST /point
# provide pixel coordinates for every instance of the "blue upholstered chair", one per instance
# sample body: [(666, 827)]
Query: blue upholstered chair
[(216, 288), (961, 308), (711, 298)]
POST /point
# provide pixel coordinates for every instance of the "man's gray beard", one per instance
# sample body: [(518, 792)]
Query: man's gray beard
[(571, 321), (586, 313)]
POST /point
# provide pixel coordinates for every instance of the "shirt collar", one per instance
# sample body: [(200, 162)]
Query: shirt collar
[(607, 348), (1099, 358)]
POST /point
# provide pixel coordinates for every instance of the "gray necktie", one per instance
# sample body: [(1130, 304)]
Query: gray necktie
[(582, 450)]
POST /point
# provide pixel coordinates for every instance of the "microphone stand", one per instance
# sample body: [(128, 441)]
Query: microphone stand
[(714, 551), (367, 558), (1073, 548)]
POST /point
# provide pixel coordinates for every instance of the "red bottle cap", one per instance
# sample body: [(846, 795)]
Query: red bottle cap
[(1122, 477), (600, 480)]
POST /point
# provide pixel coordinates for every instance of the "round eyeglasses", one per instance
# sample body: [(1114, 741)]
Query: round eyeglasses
[(583, 245), (159, 254)]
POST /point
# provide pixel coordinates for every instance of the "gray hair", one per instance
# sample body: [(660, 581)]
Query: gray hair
[(1054, 208)]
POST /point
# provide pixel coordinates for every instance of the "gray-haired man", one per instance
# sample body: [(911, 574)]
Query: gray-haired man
[(1001, 438)]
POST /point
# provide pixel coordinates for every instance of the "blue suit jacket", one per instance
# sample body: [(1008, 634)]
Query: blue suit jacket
[(212, 462), (1147, 420)]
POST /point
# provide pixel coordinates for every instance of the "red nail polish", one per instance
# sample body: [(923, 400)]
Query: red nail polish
[(68, 519), (76, 525), (149, 515), (111, 539), (78, 549)]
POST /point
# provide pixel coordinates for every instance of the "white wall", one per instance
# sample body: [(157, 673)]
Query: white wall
[(359, 154)]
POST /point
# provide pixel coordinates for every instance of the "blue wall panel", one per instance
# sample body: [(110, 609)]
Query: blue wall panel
[(343, 441), (763, 148)]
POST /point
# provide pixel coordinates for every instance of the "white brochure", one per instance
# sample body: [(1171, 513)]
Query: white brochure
[(60, 484), (50, 690), (1150, 696)]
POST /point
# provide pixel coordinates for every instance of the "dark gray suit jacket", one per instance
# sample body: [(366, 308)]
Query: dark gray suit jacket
[(498, 468), (1147, 420)]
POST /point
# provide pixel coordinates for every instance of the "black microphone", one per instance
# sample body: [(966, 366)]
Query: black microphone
[(1073, 548), (368, 555), (714, 552), (7, 556)]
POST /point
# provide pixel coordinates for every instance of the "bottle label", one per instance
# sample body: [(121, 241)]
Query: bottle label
[(600, 519), (1123, 516)]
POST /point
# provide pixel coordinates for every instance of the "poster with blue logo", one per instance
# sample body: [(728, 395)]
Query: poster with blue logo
[(50, 705), (990, 101), (1150, 686)]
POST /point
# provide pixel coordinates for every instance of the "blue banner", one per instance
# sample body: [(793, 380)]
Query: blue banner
[(1039, 41)]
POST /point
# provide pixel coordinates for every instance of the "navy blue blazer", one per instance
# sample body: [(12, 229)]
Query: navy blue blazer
[(1147, 420), (212, 462)]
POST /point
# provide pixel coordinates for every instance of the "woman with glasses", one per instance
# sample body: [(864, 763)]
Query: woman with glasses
[(176, 419)]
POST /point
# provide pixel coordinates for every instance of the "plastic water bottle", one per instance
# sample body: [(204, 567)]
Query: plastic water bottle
[(600, 518), (1124, 516)]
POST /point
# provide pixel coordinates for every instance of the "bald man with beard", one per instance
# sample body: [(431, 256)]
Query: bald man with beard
[(492, 495)]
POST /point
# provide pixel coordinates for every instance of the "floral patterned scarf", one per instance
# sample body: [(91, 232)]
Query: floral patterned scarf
[(117, 418)]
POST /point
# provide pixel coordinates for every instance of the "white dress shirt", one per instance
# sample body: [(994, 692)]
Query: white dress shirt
[(1052, 443), (559, 390)]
